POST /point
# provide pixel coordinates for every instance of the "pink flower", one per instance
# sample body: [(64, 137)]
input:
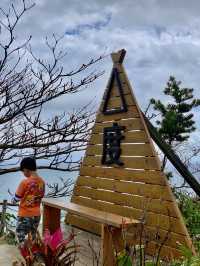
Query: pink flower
[(56, 239)]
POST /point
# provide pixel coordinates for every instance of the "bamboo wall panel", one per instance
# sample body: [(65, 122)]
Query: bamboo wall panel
[(130, 124), (138, 202), (130, 137), (115, 92), (153, 232), (167, 252), (138, 189), (149, 177), (115, 102), (126, 150), (147, 190), (132, 113), (84, 224), (129, 162), (105, 203)]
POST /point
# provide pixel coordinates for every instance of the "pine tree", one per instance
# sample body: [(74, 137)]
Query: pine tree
[(176, 121)]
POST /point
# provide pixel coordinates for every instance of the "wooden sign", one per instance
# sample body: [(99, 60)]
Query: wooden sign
[(121, 172)]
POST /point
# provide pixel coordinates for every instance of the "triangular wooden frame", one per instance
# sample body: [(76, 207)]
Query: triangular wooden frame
[(138, 189), (114, 76)]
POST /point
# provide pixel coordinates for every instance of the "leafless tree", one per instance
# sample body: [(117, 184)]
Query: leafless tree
[(27, 83)]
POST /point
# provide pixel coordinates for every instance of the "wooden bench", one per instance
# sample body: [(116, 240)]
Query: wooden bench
[(112, 225)]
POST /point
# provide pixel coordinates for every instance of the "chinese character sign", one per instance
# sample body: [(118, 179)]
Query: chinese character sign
[(111, 144)]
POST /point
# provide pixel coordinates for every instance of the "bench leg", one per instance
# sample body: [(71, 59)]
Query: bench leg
[(51, 218), (107, 251), (112, 242), (118, 241)]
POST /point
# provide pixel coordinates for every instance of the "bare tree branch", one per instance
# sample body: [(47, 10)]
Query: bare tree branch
[(27, 84)]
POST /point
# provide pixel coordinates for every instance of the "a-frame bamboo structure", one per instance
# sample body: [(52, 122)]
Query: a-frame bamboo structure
[(134, 186)]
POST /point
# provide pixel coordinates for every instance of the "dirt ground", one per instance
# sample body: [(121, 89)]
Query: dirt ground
[(88, 254), (8, 254)]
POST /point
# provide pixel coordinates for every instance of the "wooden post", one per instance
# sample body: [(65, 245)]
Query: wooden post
[(112, 242), (51, 218), (117, 238), (3, 217), (107, 249)]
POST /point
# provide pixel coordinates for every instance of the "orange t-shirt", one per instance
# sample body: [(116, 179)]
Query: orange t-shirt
[(30, 191)]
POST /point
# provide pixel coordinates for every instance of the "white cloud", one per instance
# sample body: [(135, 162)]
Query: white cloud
[(162, 38)]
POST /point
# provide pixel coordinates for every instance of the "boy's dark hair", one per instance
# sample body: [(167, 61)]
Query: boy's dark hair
[(28, 163)]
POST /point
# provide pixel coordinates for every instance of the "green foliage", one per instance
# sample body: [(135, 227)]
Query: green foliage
[(10, 219), (177, 122), (188, 258), (10, 238), (123, 259), (169, 175), (8, 232), (190, 209)]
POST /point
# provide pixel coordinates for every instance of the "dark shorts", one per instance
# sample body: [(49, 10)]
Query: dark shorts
[(27, 225)]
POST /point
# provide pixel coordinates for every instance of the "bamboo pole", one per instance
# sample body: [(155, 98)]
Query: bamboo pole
[(173, 157)]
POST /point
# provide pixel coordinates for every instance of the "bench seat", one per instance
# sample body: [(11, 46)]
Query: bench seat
[(111, 240), (90, 213)]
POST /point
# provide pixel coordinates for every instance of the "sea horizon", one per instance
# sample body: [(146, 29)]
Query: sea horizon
[(12, 180)]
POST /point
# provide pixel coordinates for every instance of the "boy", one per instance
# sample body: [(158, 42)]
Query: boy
[(29, 193)]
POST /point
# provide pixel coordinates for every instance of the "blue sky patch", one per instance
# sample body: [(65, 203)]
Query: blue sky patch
[(98, 25)]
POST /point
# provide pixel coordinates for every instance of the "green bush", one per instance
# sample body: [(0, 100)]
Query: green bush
[(190, 209)]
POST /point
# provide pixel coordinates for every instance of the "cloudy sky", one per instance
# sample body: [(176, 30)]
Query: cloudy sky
[(162, 38)]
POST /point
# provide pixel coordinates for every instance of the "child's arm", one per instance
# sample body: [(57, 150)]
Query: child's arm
[(19, 193), (15, 199)]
